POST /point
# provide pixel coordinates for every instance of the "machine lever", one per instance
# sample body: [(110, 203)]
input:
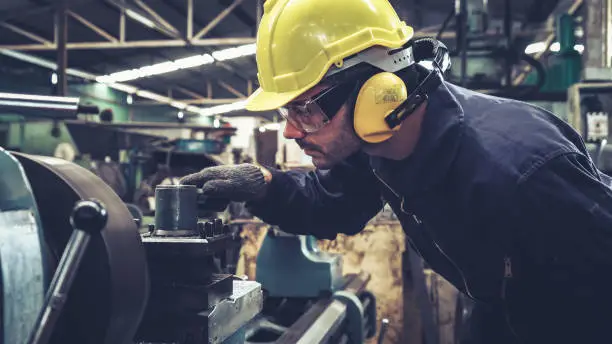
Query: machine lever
[(383, 330), (88, 217)]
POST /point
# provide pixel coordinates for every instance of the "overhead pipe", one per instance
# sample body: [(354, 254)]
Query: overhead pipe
[(53, 107)]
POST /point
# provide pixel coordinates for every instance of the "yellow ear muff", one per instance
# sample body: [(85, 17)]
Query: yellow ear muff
[(380, 95)]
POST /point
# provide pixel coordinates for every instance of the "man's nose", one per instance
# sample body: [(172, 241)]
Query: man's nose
[(292, 133)]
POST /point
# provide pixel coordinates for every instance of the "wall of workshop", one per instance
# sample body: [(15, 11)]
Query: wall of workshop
[(244, 138), (35, 137)]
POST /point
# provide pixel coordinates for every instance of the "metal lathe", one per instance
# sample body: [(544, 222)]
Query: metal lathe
[(78, 268)]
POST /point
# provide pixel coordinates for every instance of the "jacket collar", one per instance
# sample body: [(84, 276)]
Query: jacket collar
[(441, 131)]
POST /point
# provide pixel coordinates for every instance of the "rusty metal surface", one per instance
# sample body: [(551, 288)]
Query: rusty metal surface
[(22, 263), (109, 294)]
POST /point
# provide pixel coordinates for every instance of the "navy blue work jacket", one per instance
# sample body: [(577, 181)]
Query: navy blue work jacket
[(490, 179)]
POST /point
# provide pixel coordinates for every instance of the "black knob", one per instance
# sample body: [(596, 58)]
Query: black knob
[(89, 216)]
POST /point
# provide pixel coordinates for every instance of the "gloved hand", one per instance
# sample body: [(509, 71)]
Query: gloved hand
[(238, 183)]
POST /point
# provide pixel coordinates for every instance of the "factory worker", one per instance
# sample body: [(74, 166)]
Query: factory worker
[(498, 196)]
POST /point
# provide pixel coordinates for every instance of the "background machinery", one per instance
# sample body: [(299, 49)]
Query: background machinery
[(78, 267)]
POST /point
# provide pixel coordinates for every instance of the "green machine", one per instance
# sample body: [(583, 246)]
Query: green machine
[(309, 300), (563, 68)]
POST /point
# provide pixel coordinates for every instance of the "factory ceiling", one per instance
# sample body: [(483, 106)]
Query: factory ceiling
[(202, 51)]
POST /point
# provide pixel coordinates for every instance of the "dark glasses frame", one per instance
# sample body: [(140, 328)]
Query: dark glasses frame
[(313, 114)]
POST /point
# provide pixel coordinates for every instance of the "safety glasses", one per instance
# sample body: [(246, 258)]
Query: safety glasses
[(313, 114)]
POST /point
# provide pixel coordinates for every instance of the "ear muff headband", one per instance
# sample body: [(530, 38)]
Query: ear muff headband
[(384, 101)]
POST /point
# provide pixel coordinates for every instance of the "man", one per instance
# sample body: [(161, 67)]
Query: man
[(498, 196)]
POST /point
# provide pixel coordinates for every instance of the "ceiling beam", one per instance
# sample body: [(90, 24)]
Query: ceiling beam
[(93, 27), (209, 99), (164, 43), (230, 89), (156, 16), (234, 71), (241, 14), (88, 76), (226, 11), (142, 17), (25, 33), (190, 19)]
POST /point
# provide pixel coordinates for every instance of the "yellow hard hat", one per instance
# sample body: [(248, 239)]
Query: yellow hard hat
[(299, 40)]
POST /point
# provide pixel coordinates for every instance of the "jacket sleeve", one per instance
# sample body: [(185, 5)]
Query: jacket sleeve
[(321, 203), (566, 214)]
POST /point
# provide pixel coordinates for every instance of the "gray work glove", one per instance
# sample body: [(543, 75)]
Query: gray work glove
[(238, 183)]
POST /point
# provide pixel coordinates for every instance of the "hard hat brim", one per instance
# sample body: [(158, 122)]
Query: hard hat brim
[(261, 100)]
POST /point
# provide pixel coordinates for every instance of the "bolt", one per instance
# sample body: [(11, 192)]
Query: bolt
[(209, 229), (201, 230), (218, 226)]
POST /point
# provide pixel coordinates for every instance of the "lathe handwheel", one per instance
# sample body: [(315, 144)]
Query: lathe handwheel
[(109, 293)]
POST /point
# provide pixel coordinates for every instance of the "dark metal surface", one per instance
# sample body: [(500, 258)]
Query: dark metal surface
[(356, 283), (109, 293), (327, 326), (191, 247), (186, 281), (173, 312), (176, 208), (58, 293), (22, 253), (232, 314), (297, 330), (115, 139), (89, 217), (324, 311)]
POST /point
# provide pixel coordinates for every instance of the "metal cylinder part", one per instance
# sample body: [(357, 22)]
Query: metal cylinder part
[(176, 210)]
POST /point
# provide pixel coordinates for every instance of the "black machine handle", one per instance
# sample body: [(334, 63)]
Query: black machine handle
[(88, 217), (86, 109)]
